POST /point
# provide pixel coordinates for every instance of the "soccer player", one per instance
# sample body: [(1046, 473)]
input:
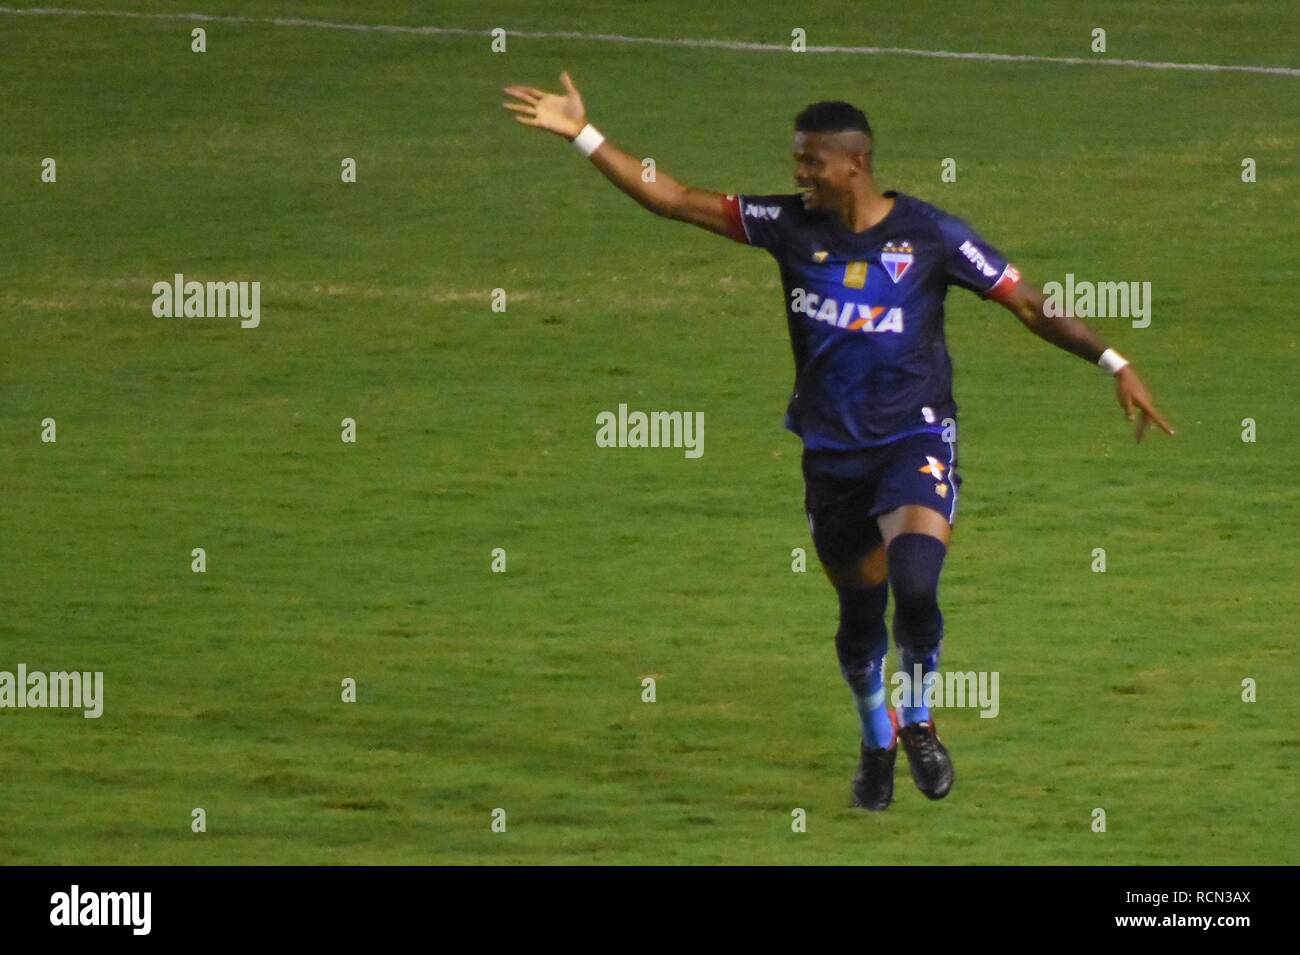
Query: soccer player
[(865, 273)]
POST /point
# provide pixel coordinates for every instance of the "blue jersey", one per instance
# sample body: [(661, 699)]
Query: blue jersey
[(865, 312)]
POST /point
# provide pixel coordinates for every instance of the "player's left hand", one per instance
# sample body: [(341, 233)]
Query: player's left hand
[(1131, 393), (561, 113)]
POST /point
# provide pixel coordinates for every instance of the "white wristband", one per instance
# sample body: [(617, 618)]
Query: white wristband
[(1112, 360), (588, 140)]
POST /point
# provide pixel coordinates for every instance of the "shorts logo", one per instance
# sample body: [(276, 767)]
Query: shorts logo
[(936, 468), (897, 258)]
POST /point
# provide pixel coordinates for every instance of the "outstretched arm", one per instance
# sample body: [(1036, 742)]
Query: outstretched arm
[(1026, 303), (565, 115)]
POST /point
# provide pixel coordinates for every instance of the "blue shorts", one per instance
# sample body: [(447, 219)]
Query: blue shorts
[(846, 490)]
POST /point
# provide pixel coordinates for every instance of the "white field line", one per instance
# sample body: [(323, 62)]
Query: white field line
[(660, 41)]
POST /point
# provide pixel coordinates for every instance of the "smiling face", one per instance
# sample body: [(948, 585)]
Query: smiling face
[(828, 165)]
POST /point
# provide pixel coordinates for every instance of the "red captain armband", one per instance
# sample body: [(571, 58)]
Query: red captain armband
[(1005, 285), (735, 223)]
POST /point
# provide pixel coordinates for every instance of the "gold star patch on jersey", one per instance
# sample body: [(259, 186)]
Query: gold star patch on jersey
[(855, 275)]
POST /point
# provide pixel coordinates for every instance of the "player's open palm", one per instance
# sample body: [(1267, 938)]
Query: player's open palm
[(558, 113)]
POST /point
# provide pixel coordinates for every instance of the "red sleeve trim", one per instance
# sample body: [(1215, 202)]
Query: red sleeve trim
[(1004, 286), (735, 221)]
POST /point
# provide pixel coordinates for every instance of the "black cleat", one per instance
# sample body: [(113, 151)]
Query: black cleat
[(931, 765), (873, 786)]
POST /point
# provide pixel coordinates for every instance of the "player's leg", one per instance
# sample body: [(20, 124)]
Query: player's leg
[(916, 542), (862, 640), (853, 557), (918, 500)]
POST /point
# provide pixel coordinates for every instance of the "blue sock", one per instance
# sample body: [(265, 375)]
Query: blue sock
[(861, 644), (877, 729), (929, 664)]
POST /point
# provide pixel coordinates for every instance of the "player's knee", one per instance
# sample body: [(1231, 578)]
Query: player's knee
[(862, 609), (869, 570), (915, 561), (914, 597)]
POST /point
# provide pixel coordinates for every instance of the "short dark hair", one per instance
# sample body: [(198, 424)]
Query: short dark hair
[(831, 116)]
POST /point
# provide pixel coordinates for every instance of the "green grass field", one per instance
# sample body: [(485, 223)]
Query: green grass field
[(476, 429)]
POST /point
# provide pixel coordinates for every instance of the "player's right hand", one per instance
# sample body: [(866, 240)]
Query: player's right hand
[(563, 115)]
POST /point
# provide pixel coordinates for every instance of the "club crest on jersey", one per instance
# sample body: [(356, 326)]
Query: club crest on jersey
[(897, 258)]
